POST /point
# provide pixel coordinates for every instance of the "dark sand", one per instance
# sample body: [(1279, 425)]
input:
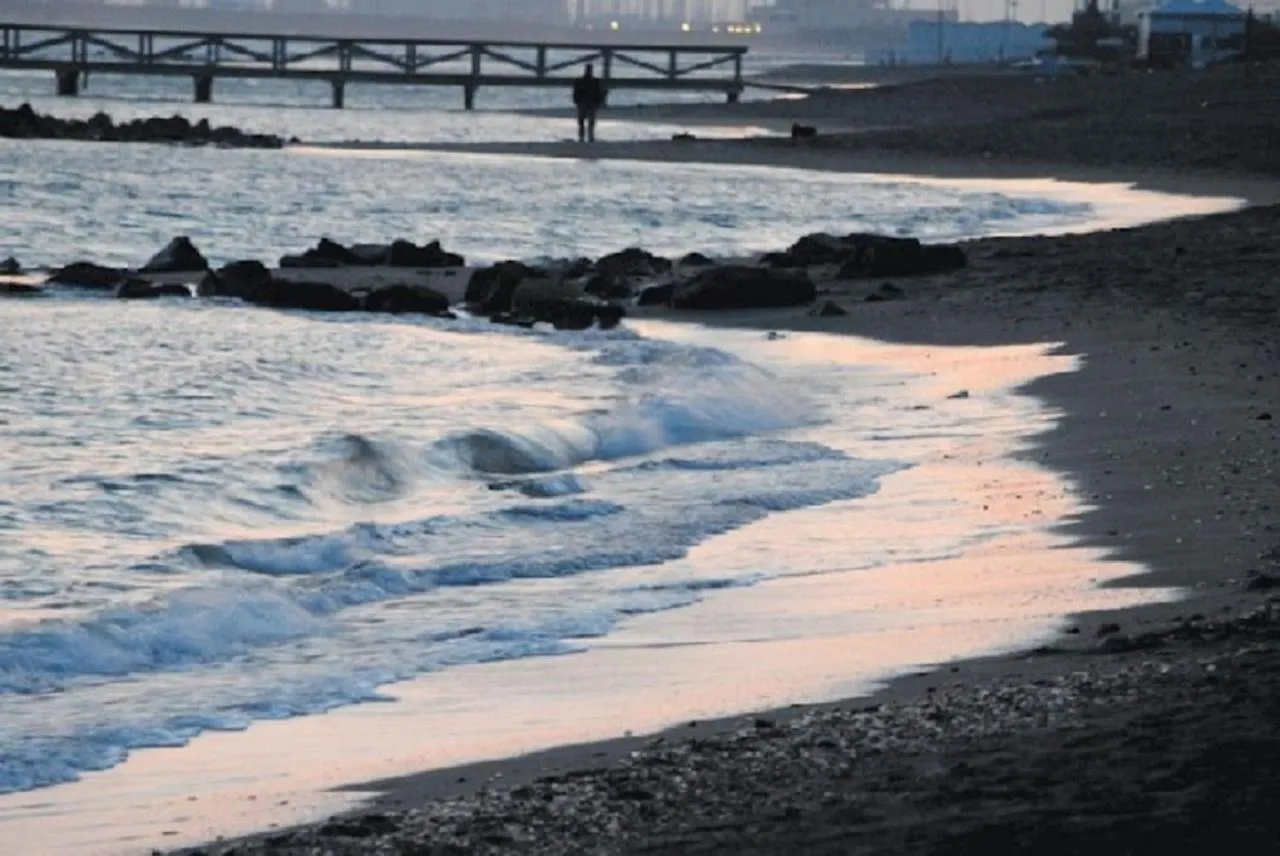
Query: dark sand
[(1141, 731)]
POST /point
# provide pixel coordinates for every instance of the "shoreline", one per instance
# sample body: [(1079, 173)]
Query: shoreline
[(785, 154), (966, 310), (1184, 391)]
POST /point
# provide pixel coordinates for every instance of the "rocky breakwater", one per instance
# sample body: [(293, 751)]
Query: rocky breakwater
[(181, 270), (24, 123), (795, 276)]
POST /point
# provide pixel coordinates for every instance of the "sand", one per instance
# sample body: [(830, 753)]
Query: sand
[(1137, 730)]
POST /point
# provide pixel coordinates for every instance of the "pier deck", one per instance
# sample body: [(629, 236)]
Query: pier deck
[(71, 53)]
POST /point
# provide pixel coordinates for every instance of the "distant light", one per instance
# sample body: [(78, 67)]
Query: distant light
[(758, 28), (686, 27), (715, 29), (613, 25)]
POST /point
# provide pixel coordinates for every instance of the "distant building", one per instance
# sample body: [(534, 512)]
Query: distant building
[(965, 42), (1191, 33)]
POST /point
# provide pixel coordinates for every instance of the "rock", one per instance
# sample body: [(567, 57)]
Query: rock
[(829, 309), (490, 289), (607, 287), (407, 298), (371, 254), (432, 255), (803, 132), (876, 255), (325, 254), (695, 260), (20, 289), (633, 262), (134, 288), (743, 287), (316, 296), (240, 279), (178, 256), (868, 255), (10, 267), (306, 261), (87, 275), (816, 249), (657, 295)]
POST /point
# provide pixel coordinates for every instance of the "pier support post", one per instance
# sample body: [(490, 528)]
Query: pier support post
[(339, 94), (734, 95), (68, 81), (469, 96), (203, 88)]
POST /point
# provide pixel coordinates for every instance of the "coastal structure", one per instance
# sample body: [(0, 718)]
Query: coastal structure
[(945, 41), (1191, 33), (71, 53)]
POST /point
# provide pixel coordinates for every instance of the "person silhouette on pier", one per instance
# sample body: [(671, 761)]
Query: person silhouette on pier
[(588, 97)]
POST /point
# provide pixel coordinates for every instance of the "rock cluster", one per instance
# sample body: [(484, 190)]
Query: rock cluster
[(868, 255), (25, 123), (250, 281), (515, 293), (399, 253)]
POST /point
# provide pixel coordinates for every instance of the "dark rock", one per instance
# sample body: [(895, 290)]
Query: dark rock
[(560, 304), (511, 320), (371, 254), (578, 268), (432, 255), (1108, 629), (695, 260), (683, 137), (743, 287), (316, 296), (657, 295), (327, 253), (306, 261), (139, 289), (803, 132), (87, 275), (240, 279), (10, 267), (1264, 417), (609, 316), (607, 287), (178, 256), (867, 255), (20, 289), (490, 289), (778, 260), (407, 298), (632, 261), (829, 309)]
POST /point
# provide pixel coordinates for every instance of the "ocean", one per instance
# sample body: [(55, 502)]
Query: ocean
[(213, 516)]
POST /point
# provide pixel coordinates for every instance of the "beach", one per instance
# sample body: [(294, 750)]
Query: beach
[(1135, 730), (1131, 729)]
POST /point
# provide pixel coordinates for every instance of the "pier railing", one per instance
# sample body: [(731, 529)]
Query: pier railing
[(73, 52)]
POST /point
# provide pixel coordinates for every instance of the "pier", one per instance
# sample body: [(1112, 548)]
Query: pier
[(72, 53)]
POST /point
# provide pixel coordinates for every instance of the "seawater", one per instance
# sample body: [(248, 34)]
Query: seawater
[(212, 515)]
